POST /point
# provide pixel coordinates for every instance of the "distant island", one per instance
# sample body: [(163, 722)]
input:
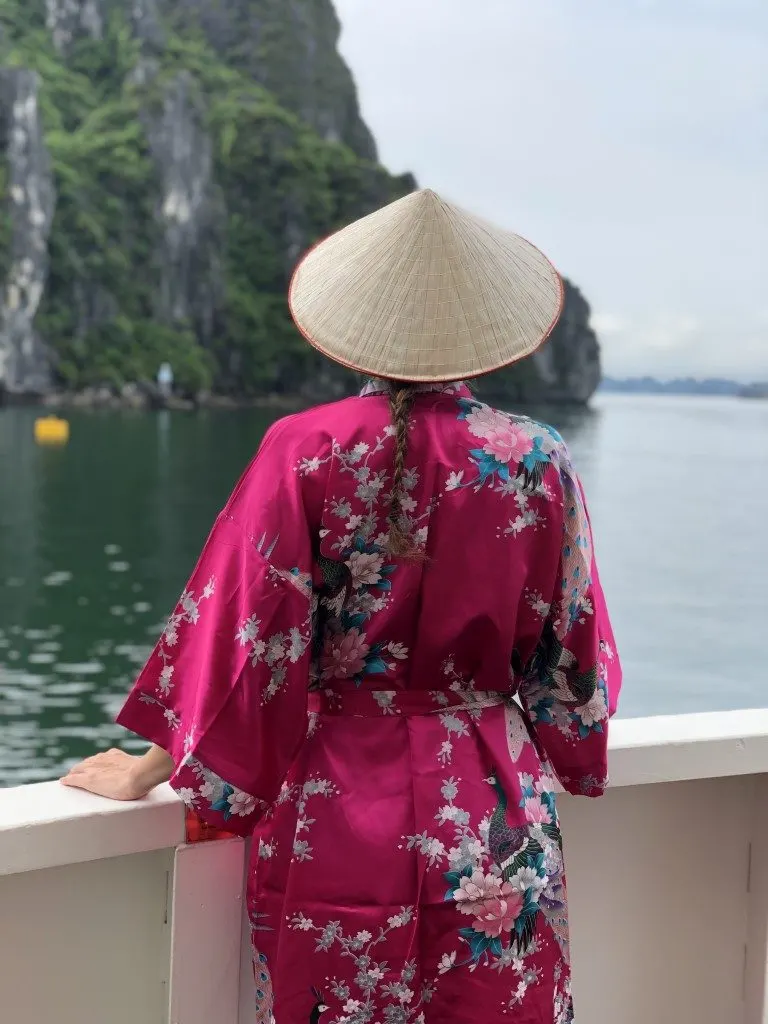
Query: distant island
[(683, 386)]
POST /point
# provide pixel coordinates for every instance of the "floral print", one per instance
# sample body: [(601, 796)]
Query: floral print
[(344, 655), (374, 991), (186, 612), (515, 449), (505, 440), (301, 795), (365, 568), (388, 730), (216, 794), (495, 905), (498, 873), (356, 539), (277, 651)]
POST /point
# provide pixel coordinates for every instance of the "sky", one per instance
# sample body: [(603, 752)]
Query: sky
[(627, 138)]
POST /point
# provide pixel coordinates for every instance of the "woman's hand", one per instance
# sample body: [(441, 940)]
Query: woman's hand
[(121, 776)]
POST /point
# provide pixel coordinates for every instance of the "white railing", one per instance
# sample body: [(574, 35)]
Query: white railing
[(106, 917)]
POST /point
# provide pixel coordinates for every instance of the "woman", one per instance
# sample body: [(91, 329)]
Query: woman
[(394, 641)]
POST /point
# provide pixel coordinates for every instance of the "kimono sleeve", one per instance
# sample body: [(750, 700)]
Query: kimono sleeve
[(225, 690), (570, 687)]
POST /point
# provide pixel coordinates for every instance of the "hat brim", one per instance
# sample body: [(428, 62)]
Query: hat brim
[(501, 290)]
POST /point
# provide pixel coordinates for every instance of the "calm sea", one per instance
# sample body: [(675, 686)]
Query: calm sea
[(97, 538)]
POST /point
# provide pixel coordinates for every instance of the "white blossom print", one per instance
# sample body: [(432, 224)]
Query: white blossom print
[(302, 794), (358, 568), (376, 992), (276, 652), (216, 793), (187, 613), (504, 879)]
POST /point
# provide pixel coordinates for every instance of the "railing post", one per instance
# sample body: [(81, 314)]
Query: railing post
[(756, 959), (206, 925)]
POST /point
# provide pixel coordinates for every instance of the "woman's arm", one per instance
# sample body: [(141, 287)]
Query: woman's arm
[(225, 690), (571, 685), (121, 776)]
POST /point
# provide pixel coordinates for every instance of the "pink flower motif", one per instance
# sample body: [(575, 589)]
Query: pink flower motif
[(365, 568), (344, 655), (537, 812), (545, 784), (494, 904), (505, 440), (509, 444), (483, 420), (498, 915), (241, 803), (595, 710), (474, 889)]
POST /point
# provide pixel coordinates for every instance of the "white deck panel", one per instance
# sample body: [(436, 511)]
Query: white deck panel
[(107, 918)]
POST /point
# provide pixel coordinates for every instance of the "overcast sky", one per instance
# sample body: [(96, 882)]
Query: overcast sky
[(627, 138)]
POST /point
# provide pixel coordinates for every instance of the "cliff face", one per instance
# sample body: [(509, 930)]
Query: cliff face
[(289, 47), (162, 165), (565, 369), (26, 182)]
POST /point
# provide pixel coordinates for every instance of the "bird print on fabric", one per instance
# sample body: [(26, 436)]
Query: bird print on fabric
[(319, 1008)]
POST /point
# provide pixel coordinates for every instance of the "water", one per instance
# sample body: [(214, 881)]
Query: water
[(98, 538)]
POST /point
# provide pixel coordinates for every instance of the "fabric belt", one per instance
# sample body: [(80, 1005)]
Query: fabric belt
[(375, 703)]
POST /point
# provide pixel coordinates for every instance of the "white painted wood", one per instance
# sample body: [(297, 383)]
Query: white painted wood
[(206, 916), (664, 929), (755, 974), (247, 984), (658, 894), (86, 943), (676, 748), (47, 824), (701, 727)]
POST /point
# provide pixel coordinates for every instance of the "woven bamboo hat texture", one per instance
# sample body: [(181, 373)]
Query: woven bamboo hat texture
[(423, 291)]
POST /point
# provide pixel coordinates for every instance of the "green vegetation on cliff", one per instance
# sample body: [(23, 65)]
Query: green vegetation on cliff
[(122, 293), (188, 152)]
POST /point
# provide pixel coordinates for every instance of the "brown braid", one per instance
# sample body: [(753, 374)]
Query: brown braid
[(401, 398)]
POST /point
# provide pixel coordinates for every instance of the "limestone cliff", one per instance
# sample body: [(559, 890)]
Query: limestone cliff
[(565, 369), (27, 186), (162, 165)]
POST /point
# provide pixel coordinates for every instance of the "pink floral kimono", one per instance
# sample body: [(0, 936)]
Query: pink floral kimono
[(392, 729)]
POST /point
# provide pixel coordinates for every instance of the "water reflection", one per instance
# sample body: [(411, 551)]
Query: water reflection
[(96, 540)]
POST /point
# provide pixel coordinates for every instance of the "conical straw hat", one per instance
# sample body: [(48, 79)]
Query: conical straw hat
[(423, 291)]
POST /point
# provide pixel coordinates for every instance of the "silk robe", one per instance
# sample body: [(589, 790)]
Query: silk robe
[(390, 730)]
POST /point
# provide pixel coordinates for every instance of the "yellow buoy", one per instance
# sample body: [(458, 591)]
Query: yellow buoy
[(51, 430)]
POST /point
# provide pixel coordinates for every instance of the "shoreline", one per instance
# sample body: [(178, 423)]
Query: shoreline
[(133, 398), (148, 398)]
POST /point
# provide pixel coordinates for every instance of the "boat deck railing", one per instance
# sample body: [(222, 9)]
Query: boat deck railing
[(108, 917)]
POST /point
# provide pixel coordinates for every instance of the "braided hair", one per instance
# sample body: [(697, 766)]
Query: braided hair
[(401, 396)]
